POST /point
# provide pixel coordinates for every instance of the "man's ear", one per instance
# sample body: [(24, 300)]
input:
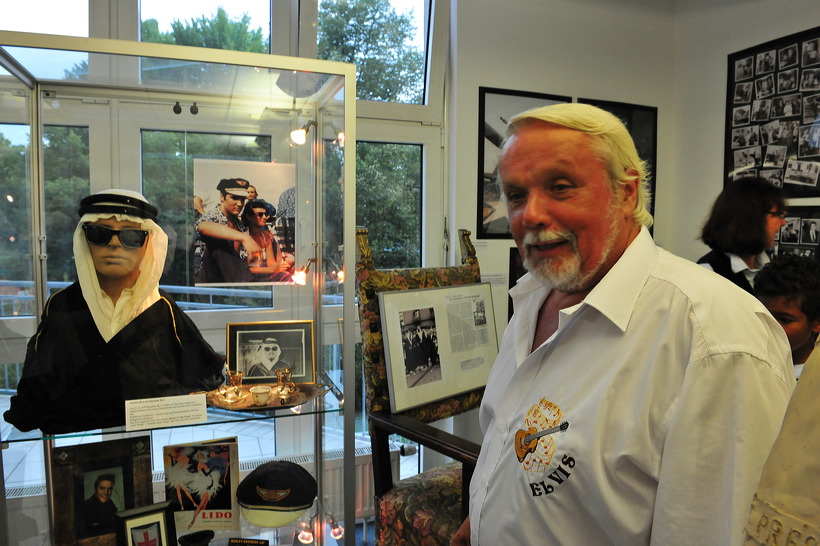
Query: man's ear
[(815, 326), (629, 190)]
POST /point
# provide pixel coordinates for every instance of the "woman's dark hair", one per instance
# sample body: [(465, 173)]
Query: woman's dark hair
[(737, 223), (248, 213), (796, 278)]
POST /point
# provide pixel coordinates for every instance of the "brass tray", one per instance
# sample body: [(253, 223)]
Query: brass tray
[(239, 398)]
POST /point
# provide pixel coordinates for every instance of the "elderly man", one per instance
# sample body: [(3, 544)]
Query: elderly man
[(636, 395), (113, 335)]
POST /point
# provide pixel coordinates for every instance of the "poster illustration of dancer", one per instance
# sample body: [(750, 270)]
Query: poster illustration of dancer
[(200, 482)]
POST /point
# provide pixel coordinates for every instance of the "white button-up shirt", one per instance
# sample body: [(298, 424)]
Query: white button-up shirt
[(673, 382)]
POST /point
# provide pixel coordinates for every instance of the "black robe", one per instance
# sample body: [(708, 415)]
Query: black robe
[(73, 380)]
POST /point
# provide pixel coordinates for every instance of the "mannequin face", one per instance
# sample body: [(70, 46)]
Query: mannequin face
[(114, 261)]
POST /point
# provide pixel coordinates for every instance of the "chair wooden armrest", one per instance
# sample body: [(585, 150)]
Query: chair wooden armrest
[(384, 423)]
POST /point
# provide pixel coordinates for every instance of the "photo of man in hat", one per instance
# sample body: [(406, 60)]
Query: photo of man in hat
[(267, 360), (113, 335), (220, 232)]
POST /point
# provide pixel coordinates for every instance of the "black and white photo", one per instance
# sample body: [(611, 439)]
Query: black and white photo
[(259, 349)]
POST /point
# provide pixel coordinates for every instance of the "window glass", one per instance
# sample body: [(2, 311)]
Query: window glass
[(388, 201), (65, 17), (167, 170), (15, 223), (243, 25), (67, 180), (385, 38)]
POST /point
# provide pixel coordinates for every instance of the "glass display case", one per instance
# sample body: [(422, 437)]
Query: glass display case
[(78, 116)]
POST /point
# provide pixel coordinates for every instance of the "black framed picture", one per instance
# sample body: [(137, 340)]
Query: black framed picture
[(642, 124), (773, 114), (258, 349), (495, 108), (153, 524)]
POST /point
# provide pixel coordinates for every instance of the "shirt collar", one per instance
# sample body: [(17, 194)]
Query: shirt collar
[(616, 294), (737, 264)]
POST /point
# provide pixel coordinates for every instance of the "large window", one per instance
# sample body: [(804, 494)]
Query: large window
[(385, 39), (241, 26)]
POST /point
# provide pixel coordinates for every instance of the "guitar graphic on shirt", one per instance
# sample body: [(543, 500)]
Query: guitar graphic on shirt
[(526, 440)]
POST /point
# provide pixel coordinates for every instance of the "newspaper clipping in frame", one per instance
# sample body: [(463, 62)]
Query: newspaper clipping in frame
[(200, 482)]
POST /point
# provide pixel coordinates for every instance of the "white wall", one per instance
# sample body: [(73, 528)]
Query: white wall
[(617, 50), (671, 54), (706, 32)]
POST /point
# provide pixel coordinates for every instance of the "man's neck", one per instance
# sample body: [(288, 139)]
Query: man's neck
[(114, 287)]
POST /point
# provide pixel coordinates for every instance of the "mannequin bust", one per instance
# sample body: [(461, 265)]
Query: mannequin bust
[(113, 335)]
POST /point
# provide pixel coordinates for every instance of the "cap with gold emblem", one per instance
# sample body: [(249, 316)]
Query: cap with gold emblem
[(276, 493)]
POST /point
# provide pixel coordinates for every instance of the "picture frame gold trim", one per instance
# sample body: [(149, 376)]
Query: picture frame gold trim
[(245, 344)]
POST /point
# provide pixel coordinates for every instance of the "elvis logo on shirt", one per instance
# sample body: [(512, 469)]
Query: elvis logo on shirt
[(534, 445)]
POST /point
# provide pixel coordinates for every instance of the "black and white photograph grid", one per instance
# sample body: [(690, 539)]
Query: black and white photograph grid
[(801, 233), (773, 115)]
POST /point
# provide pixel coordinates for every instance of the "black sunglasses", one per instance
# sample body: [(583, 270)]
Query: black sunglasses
[(262, 214), (99, 235)]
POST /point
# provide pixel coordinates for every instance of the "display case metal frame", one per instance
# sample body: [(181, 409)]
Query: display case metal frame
[(23, 72)]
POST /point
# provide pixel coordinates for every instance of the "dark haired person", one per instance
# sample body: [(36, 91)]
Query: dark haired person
[(789, 287), (98, 509), (269, 265), (220, 232), (743, 223), (113, 335)]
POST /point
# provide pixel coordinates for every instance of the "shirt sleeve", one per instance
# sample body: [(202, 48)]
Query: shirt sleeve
[(727, 417)]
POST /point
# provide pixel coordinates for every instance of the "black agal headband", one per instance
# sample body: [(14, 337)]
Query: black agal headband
[(112, 203)]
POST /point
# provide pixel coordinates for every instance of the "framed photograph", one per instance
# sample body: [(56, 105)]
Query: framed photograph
[(774, 130), (495, 108), (438, 342), (152, 524), (270, 221), (92, 482), (258, 349), (642, 124)]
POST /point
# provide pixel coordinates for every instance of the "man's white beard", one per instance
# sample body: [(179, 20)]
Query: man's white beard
[(564, 274)]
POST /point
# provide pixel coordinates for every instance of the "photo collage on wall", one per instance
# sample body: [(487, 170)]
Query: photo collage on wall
[(773, 114), (773, 129), (801, 233)]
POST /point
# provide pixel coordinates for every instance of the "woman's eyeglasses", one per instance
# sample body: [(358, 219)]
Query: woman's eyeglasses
[(99, 235), (262, 214), (780, 214)]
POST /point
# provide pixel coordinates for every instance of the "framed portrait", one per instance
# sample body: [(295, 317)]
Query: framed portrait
[(271, 187), (92, 482), (773, 127), (495, 108), (152, 524), (258, 349), (642, 124), (438, 342)]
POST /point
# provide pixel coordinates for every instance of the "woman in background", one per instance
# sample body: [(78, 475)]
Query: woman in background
[(269, 265), (743, 223)]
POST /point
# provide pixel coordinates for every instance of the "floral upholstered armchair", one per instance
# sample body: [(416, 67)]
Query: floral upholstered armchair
[(428, 508)]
